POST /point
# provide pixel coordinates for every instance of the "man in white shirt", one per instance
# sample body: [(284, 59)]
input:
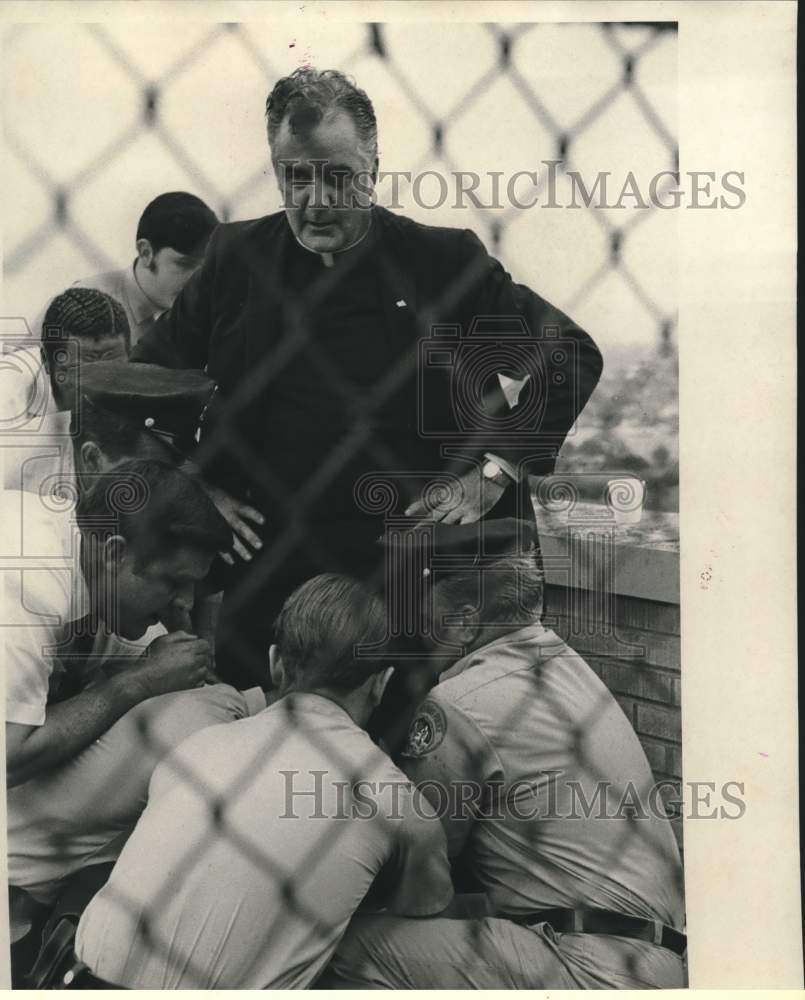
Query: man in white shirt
[(70, 583), (261, 838), (39, 382), (172, 235)]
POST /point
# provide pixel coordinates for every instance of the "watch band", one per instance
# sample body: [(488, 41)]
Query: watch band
[(512, 471), (491, 471)]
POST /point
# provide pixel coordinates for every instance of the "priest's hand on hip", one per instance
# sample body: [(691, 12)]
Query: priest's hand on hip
[(464, 501)]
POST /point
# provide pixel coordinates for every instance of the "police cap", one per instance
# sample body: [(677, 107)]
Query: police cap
[(168, 403), (419, 549)]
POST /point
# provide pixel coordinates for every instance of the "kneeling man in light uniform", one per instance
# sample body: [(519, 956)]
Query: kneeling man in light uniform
[(262, 837), (545, 793)]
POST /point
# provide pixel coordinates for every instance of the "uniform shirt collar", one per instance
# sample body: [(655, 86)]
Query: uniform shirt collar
[(534, 633), (311, 701)]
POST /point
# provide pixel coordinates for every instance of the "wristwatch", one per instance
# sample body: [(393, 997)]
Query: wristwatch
[(492, 471)]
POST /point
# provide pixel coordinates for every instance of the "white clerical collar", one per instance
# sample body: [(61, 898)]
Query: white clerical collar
[(328, 259)]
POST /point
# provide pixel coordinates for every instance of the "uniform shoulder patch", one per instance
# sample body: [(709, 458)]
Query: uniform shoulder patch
[(427, 730)]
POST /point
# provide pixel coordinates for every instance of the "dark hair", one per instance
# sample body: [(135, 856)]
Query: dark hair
[(113, 435), (506, 591), (308, 93), (83, 313), (155, 507), (177, 220), (116, 436), (319, 629)]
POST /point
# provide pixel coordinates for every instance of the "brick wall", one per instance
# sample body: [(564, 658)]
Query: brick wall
[(632, 643)]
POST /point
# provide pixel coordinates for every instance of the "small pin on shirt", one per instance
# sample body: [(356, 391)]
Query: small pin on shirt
[(401, 303)]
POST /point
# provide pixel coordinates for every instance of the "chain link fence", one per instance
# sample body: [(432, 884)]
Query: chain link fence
[(93, 135), (138, 114)]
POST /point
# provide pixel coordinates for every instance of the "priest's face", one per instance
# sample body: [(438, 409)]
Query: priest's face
[(326, 177)]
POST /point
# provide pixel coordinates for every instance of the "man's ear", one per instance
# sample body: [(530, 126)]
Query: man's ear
[(276, 667), (115, 551), (90, 457), (379, 682), (145, 252), (375, 169), (465, 625)]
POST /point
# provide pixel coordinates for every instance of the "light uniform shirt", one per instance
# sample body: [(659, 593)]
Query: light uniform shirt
[(36, 449), (81, 813), (43, 593), (122, 285), (242, 877), (26, 386), (522, 719)]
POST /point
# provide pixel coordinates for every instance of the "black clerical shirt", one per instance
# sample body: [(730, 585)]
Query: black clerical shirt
[(326, 418)]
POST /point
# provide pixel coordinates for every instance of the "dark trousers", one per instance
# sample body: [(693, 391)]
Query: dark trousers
[(255, 592)]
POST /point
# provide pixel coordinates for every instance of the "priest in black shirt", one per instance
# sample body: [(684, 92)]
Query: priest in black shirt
[(357, 355)]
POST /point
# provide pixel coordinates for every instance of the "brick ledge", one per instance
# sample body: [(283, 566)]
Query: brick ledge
[(586, 546)]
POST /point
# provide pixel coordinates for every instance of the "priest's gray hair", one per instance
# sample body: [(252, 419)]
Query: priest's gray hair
[(308, 94)]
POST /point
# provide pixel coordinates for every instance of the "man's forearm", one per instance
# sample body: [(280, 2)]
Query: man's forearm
[(69, 727)]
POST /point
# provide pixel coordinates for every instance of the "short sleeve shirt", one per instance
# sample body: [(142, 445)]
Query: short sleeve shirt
[(279, 826), (43, 592), (515, 739), (85, 808), (37, 449)]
